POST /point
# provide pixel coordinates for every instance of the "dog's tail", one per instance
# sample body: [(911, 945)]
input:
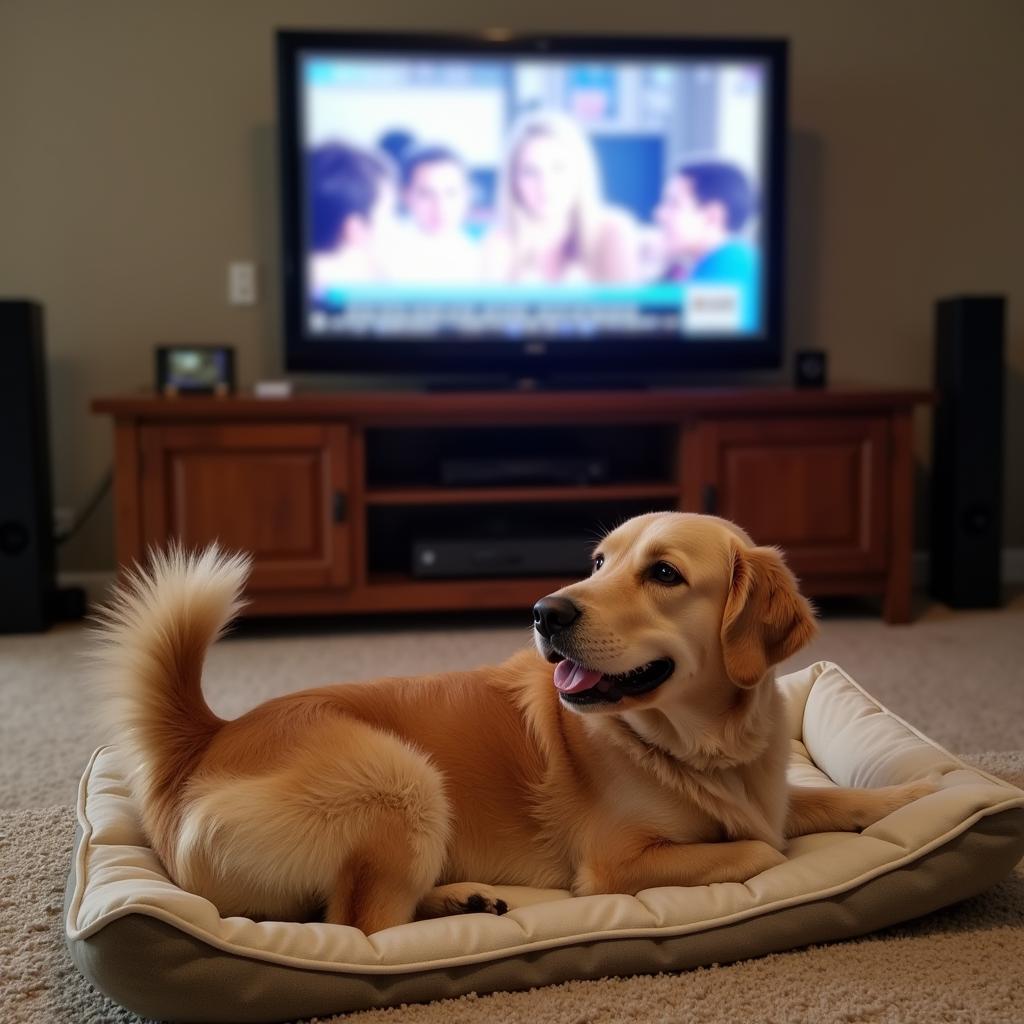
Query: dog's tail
[(152, 640)]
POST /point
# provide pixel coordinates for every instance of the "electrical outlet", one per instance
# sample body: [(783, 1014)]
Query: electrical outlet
[(242, 283)]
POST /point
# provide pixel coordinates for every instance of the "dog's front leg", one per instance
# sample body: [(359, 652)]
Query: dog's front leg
[(832, 809), (662, 862)]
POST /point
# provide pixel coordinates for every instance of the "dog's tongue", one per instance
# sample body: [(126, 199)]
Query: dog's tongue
[(571, 678)]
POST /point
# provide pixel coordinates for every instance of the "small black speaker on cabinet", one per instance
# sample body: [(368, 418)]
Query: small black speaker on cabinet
[(967, 452), (810, 368), (26, 526)]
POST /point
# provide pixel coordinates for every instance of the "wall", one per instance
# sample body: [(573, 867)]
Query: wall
[(138, 157)]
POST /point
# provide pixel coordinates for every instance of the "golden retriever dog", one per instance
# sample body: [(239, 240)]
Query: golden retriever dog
[(641, 743)]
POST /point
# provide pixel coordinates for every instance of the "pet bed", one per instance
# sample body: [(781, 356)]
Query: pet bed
[(166, 953)]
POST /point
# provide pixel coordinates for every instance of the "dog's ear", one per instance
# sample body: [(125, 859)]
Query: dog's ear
[(766, 617)]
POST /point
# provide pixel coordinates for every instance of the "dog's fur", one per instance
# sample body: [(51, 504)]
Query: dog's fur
[(373, 804)]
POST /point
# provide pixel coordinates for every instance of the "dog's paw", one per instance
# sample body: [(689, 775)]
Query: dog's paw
[(760, 857), (911, 791), (478, 903), (461, 898), (925, 787), (887, 799)]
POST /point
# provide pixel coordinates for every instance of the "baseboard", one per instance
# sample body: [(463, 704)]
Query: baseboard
[(1013, 567), (95, 584)]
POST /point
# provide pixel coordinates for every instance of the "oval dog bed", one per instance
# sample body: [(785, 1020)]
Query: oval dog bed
[(166, 953)]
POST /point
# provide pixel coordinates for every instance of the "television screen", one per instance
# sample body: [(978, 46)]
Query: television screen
[(463, 195)]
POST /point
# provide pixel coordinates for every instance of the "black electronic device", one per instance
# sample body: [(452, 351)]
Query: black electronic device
[(498, 206), (967, 452), (500, 557), (195, 370), (502, 471), (27, 574), (810, 368)]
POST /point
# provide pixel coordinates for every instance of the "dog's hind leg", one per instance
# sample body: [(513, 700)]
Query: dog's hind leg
[(390, 804), (356, 822), (380, 887)]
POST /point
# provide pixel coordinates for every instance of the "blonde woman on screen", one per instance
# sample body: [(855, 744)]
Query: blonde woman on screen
[(552, 223)]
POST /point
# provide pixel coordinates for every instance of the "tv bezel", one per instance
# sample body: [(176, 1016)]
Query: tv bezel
[(536, 355)]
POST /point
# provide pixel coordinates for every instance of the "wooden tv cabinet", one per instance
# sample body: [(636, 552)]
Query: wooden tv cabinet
[(330, 491)]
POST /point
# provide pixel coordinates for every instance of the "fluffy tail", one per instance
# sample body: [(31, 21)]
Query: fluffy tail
[(152, 641)]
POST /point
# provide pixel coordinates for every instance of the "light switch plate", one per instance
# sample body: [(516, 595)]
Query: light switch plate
[(242, 283)]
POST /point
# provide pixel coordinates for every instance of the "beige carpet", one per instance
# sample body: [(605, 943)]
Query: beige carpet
[(960, 678)]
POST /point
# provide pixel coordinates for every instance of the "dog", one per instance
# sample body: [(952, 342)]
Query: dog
[(640, 742)]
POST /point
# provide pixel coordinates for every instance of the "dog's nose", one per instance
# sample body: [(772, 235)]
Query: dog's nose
[(553, 614)]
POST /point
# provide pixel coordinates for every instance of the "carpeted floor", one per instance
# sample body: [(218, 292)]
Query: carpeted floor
[(958, 677)]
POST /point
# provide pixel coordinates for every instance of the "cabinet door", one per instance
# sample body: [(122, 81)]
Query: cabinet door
[(817, 487), (277, 491)]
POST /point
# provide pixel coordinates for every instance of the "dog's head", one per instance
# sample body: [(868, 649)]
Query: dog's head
[(678, 606)]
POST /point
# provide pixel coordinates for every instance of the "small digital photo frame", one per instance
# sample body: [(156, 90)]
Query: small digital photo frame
[(195, 370)]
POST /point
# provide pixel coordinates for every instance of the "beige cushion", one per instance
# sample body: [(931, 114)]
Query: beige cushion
[(167, 953)]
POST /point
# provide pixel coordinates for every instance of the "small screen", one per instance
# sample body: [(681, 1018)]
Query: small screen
[(512, 196), (199, 369)]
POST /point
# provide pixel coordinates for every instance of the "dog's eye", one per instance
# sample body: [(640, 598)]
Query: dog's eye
[(662, 572), (598, 562)]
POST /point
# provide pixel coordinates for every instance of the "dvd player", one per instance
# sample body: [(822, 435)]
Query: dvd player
[(499, 557), (482, 472)]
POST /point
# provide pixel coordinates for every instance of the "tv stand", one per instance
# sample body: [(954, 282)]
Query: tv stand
[(330, 492)]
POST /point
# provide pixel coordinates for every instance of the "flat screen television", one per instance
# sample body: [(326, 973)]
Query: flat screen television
[(531, 206)]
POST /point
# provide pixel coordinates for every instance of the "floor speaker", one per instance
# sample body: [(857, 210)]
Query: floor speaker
[(967, 452), (26, 525)]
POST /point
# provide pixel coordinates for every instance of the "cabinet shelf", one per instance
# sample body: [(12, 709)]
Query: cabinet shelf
[(524, 493), (385, 580), (403, 591)]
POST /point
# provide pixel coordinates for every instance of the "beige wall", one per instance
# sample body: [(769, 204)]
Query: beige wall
[(137, 157)]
